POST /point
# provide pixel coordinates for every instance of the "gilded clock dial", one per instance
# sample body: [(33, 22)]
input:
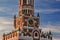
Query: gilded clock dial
[(30, 21)]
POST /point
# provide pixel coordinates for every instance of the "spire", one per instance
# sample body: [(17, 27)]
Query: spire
[(50, 33), (38, 15), (14, 16), (14, 21), (3, 34)]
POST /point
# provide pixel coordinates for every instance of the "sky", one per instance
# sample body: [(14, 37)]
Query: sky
[(49, 11)]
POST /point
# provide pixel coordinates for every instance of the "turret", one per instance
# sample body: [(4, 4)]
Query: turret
[(38, 15), (50, 35), (14, 21), (26, 7), (3, 36)]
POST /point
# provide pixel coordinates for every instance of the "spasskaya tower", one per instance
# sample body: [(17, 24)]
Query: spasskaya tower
[(26, 15), (26, 25)]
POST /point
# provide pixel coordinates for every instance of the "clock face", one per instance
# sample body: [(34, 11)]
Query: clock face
[(30, 22)]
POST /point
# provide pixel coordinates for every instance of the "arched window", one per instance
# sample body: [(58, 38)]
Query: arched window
[(30, 2), (36, 34), (24, 1), (24, 11)]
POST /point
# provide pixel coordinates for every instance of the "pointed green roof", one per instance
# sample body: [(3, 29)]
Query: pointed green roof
[(38, 15)]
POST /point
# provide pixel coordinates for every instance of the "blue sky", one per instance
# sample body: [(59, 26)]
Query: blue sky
[(49, 11)]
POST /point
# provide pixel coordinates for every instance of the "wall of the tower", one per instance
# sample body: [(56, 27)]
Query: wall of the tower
[(27, 25), (31, 21), (26, 14), (26, 7), (11, 36)]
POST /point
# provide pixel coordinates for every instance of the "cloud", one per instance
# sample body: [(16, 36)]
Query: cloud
[(9, 12), (7, 9), (51, 28), (47, 10), (5, 20), (6, 25), (56, 39), (55, 29), (2, 9)]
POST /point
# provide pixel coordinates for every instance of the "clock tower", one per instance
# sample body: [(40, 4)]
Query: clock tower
[(26, 25), (26, 7), (26, 15)]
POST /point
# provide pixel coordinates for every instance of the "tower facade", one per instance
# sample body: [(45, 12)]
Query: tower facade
[(26, 25), (26, 7), (26, 15)]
